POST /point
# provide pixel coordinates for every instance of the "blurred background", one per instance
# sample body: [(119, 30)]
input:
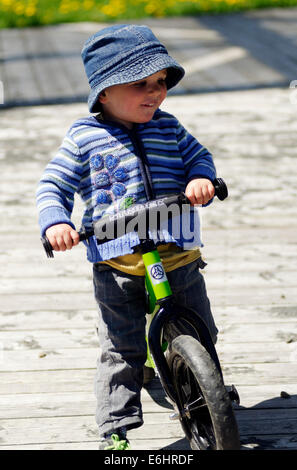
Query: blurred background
[(18, 13)]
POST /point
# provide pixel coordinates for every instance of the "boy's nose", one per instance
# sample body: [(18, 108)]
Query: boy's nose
[(155, 88)]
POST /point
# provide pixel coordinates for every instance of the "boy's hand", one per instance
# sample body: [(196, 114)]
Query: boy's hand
[(200, 191), (62, 237)]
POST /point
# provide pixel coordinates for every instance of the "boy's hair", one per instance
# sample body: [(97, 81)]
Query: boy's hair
[(122, 54)]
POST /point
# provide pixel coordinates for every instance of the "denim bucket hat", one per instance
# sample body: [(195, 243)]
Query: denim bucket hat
[(122, 54)]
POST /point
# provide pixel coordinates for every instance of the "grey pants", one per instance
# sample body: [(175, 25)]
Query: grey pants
[(121, 331)]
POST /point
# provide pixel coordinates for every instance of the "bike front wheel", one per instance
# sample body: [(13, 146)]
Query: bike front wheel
[(205, 408)]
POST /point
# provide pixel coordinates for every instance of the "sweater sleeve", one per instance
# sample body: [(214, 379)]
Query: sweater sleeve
[(197, 159), (57, 186)]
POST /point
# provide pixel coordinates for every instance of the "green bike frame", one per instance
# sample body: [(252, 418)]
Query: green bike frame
[(156, 281), (158, 289)]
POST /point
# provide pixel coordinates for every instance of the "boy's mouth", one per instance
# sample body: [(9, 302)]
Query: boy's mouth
[(149, 105)]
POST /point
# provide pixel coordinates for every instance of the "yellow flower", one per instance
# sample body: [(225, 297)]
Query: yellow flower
[(155, 8), (114, 8), (30, 10), (7, 3), (65, 6), (19, 8), (88, 4), (75, 6)]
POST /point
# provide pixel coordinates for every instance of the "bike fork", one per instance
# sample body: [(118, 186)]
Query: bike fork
[(155, 346)]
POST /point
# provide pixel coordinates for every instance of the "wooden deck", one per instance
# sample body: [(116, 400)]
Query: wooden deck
[(48, 343)]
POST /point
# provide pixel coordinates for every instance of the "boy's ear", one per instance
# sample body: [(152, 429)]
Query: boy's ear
[(103, 97)]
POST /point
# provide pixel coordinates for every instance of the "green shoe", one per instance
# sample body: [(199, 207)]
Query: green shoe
[(114, 442)]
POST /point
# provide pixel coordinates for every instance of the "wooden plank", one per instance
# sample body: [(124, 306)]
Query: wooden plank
[(38, 405), (245, 349), (262, 421), (265, 279), (48, 319), (67, 46), (47, 381), (19, 78), (54, 301), (281, 328), (282, 442), (259, 442), (74, 318), (267, 396), (54, 404), (252, 353), (254, 314), (27, 353), (44, 340), (264, 373), (78, 429), (83, 428), (77, 380), (82, 403), (47, 359), (264, 333), (46, 285), (219, 297), (268, 49), (270, 442), (139, 444)]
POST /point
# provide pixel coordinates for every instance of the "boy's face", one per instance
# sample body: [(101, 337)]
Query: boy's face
[(134, 102)]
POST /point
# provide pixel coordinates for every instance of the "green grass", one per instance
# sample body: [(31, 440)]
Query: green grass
[(19, 13)]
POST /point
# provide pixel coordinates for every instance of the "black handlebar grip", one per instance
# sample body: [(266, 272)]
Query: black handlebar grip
[(47, 247), (83, 235), (221, 190)]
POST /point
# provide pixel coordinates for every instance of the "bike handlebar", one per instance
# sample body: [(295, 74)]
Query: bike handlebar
[(137, 210)]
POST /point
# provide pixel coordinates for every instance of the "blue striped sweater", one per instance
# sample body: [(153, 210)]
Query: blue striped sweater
[(99, 160)]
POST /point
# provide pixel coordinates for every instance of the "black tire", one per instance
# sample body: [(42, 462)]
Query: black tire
[(210, 424)]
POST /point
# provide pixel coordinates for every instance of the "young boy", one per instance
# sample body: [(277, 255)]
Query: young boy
[(129, 152)]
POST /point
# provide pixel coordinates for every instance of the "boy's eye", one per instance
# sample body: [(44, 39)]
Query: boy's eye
[(140, 84), (143, 84), (161, 81)]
